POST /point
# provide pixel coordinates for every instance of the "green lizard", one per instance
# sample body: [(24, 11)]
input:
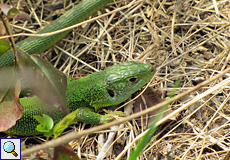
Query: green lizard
[(100, 89), (87, 94)]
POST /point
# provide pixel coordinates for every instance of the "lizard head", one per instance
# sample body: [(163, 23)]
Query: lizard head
[(123, 80)]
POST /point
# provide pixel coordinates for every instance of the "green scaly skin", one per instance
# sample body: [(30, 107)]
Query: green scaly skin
[(37, 45), (100, 89)]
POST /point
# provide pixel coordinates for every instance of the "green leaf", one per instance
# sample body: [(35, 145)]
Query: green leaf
[(46, 124), (45, 81), (4, 46), (40, 119), (42, 128), (12, 12), (64, 123), (23, 146), (49, 121)]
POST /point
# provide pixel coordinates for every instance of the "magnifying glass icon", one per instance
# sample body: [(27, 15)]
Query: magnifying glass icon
[(9, 147)]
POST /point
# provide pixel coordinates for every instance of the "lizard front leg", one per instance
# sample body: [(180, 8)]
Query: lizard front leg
[(88, 116)]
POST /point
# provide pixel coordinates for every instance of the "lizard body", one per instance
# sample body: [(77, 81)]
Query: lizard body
[(87, 94)]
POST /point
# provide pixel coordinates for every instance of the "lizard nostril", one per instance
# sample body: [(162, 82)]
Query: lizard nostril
[(111, 93)]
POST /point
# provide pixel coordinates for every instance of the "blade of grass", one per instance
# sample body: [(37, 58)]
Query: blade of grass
[(147, 137)]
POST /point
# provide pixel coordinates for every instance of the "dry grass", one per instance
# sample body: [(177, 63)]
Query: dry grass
[(183, 39)]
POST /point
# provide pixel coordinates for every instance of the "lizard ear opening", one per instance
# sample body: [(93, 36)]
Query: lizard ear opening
[(111, 93), (132, 79)]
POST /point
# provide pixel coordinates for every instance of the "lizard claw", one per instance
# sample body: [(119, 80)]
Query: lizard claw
[(111, 115), (116, 113)]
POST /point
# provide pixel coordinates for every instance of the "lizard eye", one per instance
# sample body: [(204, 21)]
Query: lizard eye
[(132, 79), (111, 93)]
